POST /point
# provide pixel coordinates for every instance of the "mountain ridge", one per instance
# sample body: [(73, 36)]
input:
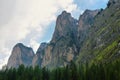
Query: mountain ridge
[(94, 38), (63, 47)]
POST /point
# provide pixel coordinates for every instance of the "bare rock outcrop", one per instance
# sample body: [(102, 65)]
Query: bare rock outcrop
[(20, 55)]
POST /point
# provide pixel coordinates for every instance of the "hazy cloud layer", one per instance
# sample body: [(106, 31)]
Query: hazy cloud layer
[(27, 21)]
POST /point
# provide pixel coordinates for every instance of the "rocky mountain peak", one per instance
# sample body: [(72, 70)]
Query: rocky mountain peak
[(64, 18), (37, 60), (91, 12), (42, 47), (21, 45), (65, 24), (65, 13), (87, 18), (20, 55)]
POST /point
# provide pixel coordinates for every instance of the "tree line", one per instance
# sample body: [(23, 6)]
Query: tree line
[(106, 71)]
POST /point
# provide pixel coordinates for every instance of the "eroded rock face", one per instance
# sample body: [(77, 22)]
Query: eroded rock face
[(84, 24), (65, 25), (65, 44), (63, 47), (20, 55), (87, 19), (62, 43), (38, 58)]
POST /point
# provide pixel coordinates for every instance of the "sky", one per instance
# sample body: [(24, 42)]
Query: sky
[(32, 22)]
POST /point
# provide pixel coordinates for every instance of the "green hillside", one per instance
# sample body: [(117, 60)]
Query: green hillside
[(103, 42)]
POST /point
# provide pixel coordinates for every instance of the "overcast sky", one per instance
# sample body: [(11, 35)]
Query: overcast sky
[(32, 21)]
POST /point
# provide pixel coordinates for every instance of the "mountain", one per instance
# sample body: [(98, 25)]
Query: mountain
[(20, 55), (84, 24), (38, 57), (64, 45), (62, 48), (94, 38), (103, 39)]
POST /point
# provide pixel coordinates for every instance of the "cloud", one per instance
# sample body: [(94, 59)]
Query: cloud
[(27, 21)]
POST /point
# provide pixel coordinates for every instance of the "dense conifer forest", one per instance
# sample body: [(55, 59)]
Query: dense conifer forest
[(106, 71)]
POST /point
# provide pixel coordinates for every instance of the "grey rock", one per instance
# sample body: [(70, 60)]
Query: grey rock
[(67, 39), (20, 55), (37, 60)]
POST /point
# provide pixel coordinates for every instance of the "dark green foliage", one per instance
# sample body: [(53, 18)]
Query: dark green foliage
[(106, 71), (108, 4), (100, 11)]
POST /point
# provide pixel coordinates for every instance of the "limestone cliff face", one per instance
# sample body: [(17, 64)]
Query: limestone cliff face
[(20, 55), (65, 26), (85, 22), (87, 19), (62, 48), (67, 38), (65, 45), (38, 57)]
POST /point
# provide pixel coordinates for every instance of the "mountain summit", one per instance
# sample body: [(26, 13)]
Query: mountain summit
[(20, 55), (65, 25)]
